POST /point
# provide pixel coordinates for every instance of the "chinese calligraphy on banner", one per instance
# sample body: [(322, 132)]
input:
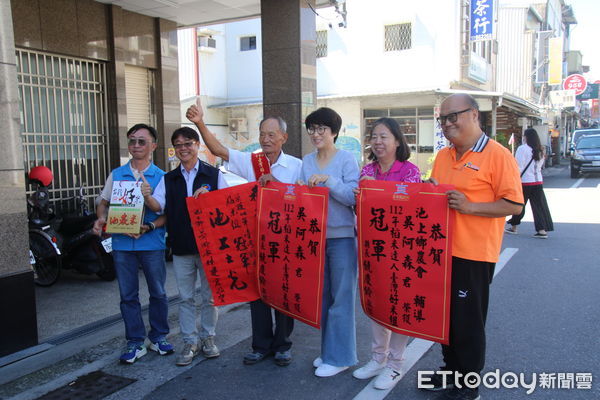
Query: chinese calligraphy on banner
[(291, 244), (126, 210), (224, 224), (405, 260)]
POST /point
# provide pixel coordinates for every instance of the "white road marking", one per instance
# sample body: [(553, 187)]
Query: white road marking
[(505, 256), (413, 353), (418, 347), (577, 183)]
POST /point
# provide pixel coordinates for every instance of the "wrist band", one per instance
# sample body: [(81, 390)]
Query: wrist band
[(152, 226)]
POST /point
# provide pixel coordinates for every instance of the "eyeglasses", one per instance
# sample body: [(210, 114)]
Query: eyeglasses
[(452, 117), (187, 145), (139, 142), (320, 129)]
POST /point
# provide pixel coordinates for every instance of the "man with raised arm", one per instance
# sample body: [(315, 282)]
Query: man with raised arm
[(487, 189), (270, 164)]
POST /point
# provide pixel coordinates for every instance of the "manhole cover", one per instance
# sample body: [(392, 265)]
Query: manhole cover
[(93, 386)]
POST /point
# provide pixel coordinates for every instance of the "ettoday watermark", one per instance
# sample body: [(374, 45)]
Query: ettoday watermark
[(509, 380)]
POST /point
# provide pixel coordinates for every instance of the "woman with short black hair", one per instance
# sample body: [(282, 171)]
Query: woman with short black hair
[(338, 171)]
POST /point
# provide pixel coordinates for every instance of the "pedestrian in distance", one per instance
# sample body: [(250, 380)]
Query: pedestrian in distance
[(389, 155), (146, 249), (338, 171), (487, 189), (271, 329), (530, 157), (192, 177)]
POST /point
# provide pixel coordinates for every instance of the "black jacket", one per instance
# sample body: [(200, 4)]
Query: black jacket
[(179, 228)]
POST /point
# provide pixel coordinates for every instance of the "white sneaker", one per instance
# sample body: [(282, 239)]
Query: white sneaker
[(325, 370), (387, 379), (317, 362), (368, 370)]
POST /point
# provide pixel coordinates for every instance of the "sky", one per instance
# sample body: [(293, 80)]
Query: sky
[(585, 36)]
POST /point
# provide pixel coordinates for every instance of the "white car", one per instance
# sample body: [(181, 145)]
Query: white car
[(231, 178)]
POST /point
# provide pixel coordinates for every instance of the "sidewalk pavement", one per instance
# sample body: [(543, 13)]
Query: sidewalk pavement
[(157, 377), (556, 169), (52, 366)]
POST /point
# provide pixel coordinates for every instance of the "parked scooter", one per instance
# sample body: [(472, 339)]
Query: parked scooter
[(64, 241)]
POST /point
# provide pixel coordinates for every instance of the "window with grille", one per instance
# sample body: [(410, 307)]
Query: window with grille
[(416, 125), (64, 122), (483, 48), (248, 43), (321, 44), (398, 37)]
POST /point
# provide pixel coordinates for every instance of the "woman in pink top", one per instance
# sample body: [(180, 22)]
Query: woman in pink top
[(389, 152)]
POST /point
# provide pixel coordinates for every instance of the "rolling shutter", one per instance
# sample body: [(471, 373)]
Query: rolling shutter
[(138, 94)]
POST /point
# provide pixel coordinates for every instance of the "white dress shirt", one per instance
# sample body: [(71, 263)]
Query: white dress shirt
[(286, 169), (159, 191)]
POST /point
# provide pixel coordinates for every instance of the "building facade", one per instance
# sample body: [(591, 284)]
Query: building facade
[(387, 58), (76, 76), (525, 30)]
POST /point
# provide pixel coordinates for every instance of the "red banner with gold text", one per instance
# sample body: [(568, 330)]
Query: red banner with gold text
[(405, 260), (224, 224), (291, 247)]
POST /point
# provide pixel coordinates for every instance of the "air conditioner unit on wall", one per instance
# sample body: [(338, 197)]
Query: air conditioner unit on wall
[(238, 126), (207, 44)]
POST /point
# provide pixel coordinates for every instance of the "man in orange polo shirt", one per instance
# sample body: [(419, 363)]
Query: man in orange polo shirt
[(487, 189)]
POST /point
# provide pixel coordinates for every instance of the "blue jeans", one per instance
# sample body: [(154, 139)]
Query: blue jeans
[(187, 269), (338, 324), (153, 265)]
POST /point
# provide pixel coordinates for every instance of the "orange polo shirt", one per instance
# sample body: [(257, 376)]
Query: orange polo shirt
[(485, 173)]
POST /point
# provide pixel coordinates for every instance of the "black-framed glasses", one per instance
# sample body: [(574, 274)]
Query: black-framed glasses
[(139, 142), (452, 117), (187, 145), (319, 129)]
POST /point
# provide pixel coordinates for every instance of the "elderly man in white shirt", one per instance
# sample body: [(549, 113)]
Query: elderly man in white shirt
[(272, 164)]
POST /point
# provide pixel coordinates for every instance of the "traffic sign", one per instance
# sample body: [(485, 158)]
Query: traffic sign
[(171, 154), (591, 92), (576, 82)]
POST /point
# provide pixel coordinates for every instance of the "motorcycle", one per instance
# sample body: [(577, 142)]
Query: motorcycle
[(66, 241)]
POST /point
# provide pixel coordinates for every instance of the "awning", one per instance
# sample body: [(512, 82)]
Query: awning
[(519, 105)]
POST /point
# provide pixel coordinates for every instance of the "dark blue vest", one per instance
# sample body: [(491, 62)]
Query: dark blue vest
[(179, 228)]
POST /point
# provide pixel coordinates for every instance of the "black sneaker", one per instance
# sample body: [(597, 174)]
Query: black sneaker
[(254, 357), (283, 358), (463, 393), (436, 382)]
